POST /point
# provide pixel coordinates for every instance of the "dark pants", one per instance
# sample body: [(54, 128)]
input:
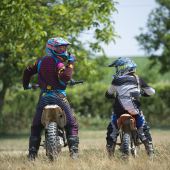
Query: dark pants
[(54, 98)]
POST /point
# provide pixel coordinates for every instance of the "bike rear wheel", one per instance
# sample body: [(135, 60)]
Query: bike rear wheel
[(52, 146)]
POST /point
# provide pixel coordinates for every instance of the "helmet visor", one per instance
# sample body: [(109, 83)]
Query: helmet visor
[(61, 49)]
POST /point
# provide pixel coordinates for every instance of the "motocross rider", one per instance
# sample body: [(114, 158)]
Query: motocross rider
[(54, 71), (126, 89)]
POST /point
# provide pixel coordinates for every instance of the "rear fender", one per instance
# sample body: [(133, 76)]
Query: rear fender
[(126, 122), (53, 113)]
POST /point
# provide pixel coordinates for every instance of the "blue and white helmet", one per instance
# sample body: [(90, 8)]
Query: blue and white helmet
[(124, 66), (53, 44)]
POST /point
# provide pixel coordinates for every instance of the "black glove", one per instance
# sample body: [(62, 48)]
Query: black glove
[(28, 87)]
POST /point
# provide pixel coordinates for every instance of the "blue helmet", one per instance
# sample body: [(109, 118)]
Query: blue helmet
[(124, 66), (53, 47)]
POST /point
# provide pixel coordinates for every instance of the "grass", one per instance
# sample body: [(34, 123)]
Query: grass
[(92, 155)]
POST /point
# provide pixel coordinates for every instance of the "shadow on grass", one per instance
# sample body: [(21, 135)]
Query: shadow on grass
[(13, 135)]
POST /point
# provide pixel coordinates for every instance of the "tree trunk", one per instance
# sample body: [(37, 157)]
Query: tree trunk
[(2, 97)]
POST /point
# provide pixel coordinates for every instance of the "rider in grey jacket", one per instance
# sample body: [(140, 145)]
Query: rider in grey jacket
[(126, 89)]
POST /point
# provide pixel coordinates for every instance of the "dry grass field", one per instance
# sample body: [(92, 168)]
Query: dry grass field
[(92, 155)]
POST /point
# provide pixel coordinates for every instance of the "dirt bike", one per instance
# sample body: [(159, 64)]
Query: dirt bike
[(54, 120), (129, 139)]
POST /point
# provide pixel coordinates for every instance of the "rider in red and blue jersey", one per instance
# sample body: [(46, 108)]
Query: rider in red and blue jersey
[(53, 75)]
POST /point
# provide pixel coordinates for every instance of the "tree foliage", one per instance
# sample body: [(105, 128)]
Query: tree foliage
[(27, 24), (156, 41)]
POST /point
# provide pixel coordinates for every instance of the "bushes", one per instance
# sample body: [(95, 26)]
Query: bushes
[(18, 110), (90, 105), (89, 99), (157, 107)]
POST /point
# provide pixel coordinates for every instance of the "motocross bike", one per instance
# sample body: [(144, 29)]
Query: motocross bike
[(129, 139), (54, 120)]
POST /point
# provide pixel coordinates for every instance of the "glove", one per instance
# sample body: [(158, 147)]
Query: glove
[(28, 87), (60, 66), (71, 58)]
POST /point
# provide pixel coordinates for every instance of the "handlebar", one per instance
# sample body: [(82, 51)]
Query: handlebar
[(72, 82)]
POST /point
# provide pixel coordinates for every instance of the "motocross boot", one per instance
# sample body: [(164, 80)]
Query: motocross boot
[(147, 133), (149, 148), (112, 133), (73, 142), (147, 143), (34, 143), (110, 147)]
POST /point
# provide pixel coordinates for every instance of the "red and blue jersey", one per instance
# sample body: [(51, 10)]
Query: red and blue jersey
[(52, 74)]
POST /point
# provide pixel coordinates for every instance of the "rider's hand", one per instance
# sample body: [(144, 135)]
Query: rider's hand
[(60, 66), (28, 87), (71, 58)]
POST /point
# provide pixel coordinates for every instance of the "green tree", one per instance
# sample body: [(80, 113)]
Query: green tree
[(156, 41), (27, 24)]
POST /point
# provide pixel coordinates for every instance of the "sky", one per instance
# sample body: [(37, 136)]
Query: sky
[(132, 15)]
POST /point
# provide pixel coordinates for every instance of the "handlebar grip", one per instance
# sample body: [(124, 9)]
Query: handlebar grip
[(33, 86), (73, 82), (78, 82)]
